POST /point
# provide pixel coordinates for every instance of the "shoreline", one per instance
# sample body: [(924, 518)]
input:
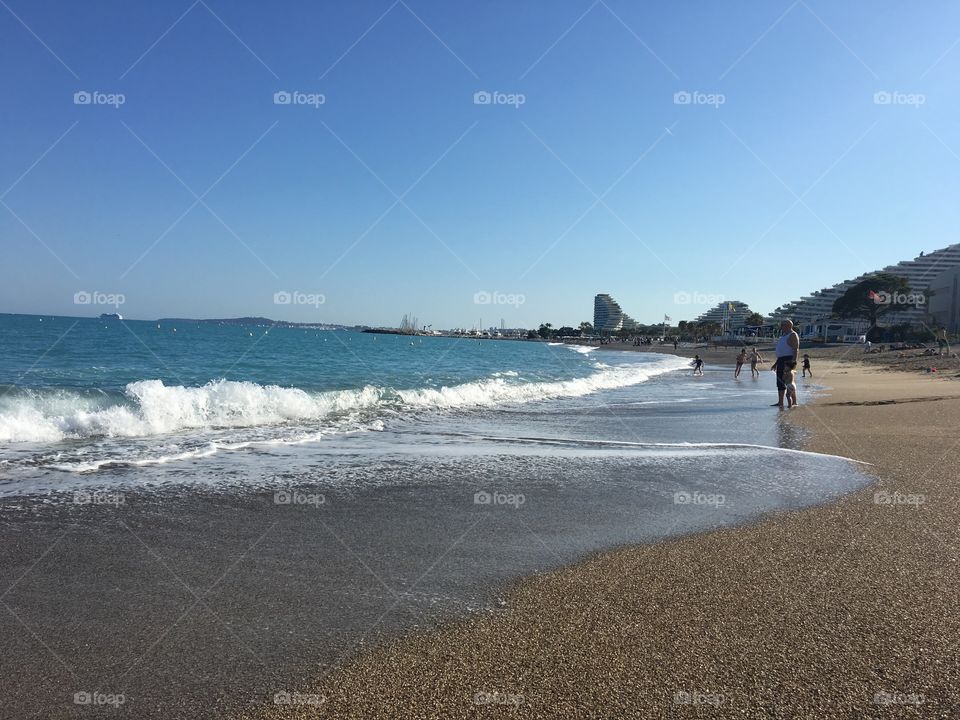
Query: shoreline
[(222, 591), (603, 577), (823, 359), (838, 610)]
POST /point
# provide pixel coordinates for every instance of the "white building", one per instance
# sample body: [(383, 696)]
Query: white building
[(919, 273), (945, 300), (608, 317), (731, 314)]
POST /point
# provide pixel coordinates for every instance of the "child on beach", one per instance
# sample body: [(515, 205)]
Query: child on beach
[(790, 380), (697, 365), (741, 359), (755, 357), (806, 366)]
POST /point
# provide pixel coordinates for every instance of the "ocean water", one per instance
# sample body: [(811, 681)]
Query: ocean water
[(90, 402)]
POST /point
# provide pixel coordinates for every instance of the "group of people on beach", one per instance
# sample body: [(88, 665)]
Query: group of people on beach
[(755, 359), (785, 366)]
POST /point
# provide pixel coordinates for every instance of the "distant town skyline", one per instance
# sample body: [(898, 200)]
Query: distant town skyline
[(348, 164), (919, 272)]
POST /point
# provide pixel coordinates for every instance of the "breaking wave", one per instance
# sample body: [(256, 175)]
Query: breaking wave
[(149, 407)]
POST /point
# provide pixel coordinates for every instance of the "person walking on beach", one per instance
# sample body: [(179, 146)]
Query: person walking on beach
[(806, 366), (942, 341), (755, 359), (697, 365), (741, 359), (788, 351)]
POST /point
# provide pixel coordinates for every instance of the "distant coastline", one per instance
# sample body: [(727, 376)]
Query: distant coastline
[(260, 321), (257, 321)]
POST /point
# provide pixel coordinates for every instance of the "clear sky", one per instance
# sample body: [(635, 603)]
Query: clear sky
[(383, 187)]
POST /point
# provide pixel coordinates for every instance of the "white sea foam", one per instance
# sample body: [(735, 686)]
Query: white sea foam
[(662, 449), (150, 407)]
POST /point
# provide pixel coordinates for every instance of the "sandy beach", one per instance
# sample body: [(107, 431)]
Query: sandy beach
[(845, 610), (827, 357)]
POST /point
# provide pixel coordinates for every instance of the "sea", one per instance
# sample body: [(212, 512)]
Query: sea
[(89, 402)]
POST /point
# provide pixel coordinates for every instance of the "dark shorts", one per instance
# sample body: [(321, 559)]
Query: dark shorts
[(784, 363)]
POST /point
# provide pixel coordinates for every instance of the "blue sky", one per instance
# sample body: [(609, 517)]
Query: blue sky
[(201, 196)]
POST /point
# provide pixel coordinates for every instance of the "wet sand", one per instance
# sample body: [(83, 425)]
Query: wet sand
[(846, 610)]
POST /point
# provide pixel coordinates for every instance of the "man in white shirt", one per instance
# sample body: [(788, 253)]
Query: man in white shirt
[(788, 352)]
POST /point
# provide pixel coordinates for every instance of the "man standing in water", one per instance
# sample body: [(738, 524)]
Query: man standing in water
[(788, 352)]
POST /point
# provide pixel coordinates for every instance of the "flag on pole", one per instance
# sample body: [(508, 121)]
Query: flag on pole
[(667, 318), (730, 307)]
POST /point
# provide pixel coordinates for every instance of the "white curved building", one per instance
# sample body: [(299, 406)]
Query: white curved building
[(608, 317), (731, 314), (919, 274)]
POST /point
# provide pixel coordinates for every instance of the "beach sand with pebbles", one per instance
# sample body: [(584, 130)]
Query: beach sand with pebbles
[(846, 610)]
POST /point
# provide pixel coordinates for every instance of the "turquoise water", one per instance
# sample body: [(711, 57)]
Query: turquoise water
[(88, 354), (95, 403), (78, 395)]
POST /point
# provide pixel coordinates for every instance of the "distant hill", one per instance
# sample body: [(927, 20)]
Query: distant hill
[(258, 321)]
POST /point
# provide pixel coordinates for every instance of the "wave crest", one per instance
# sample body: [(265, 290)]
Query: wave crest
[(149, 407)]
